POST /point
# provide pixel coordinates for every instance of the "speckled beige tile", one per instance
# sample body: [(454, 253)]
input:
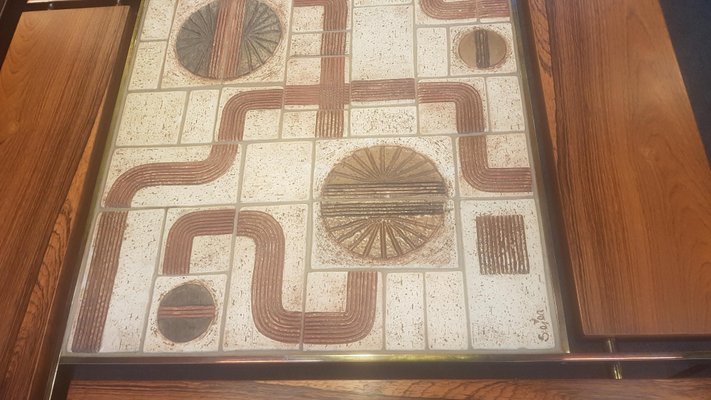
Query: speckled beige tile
[(504, 95), (175, 75), (459, 67), (303, 71), (509, 150), (326, 291), (307, 19), (222, 190), (404, 312), (277, 172), (199, 125), (446, 311), (507, 311), (151, 118), (123, 329), (299, 124), (438, 251), (158, 19), (384, 121), (147, 65), (240, 330), (210, 253), (441, 118), (365, 3), (209, 340), (259, 124), (383, 43), (432, 52)]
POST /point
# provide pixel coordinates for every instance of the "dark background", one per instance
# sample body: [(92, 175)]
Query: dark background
[(689, 24)]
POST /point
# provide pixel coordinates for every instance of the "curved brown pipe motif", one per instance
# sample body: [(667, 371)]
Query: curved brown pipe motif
[(465, 9), (268, 313), (472, 149)]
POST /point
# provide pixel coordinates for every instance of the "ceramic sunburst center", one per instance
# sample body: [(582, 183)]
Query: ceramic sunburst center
[(383, 202)]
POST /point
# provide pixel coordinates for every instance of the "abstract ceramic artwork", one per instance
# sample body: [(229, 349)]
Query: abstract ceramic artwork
[(318, 177)]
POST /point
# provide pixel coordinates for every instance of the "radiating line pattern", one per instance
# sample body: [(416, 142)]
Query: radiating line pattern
[(465, 9), (501, 245), (186, 312), (383, 202), (227, 39)]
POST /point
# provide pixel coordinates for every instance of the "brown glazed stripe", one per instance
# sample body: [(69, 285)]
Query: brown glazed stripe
[(383, 90), (481, 39), (476, 171), (179, 245), (467, 102), (465, 9), (95, 301), (235, 112), (270, 317), (186, 312), (225, 47), (501, 244)]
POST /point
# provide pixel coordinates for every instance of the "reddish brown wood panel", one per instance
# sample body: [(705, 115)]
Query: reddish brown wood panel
[(52, 84), (430, 389), (632, 176)]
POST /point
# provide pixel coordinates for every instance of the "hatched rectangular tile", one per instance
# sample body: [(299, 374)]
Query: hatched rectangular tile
[(151, 119), (129, 298), (432, 54), (446, 311), (148, 65), (277, 172), (505, 102), (404, 312), (186, 314), (158, 19), (221, 190), (508, 307), (241, 333), (199, 125), (383, 43)]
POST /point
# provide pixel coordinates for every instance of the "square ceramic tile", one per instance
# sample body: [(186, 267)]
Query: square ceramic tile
[(383, 43), (300, 179), (509, 306), (151, 119), (277, 172)]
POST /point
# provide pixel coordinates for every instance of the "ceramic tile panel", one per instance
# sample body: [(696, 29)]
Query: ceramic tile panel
[(309, 177)]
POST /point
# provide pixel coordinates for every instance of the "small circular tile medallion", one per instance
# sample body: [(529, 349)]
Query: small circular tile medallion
[(482, 49), (186, 312)]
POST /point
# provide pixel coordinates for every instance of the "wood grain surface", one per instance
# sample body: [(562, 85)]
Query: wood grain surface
[(52, 84), (632, 177), (429, 389)]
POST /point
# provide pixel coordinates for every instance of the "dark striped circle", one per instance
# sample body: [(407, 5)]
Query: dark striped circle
[(186, 312), (227, 39), (483, 49), (383, 202)]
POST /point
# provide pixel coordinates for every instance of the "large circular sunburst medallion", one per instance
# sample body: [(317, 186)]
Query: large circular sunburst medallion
[(383, 202)]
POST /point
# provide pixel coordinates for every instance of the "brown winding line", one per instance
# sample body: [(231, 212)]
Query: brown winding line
[(329, 118), (179, 245), (472, 149), (465, 9), (225, 48), (270, 317)]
